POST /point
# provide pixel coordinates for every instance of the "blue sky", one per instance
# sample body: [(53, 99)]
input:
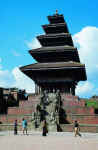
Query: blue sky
[(20, 23)]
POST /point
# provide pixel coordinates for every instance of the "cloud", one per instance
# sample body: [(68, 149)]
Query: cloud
[(83, 89), (6, 78), (0, 60), (15, 53), (87, 42), (33, 44), (0, 63), (22, 81), (16, 78)]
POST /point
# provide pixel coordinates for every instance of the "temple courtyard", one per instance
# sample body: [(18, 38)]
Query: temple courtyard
[(53, 141)]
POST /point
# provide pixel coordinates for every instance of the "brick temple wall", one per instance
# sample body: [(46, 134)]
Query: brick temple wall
[(78, 110), (83, 119), (20, 111), (9, 119), (72, 104), (32, 101)]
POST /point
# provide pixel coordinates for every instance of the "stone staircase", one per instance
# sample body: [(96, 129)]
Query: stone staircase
[(75, 110)]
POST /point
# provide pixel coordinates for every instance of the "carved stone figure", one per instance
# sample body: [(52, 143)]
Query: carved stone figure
[(44, 100), (49, 106)]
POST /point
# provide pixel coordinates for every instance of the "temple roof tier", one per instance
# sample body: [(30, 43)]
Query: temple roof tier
[(55, 48), (56, 19), (55, 54), (55, 39), (55, 28), (53, 65), (58, 69)]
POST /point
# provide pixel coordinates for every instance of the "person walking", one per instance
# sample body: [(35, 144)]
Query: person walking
[(15, 127), (76, 128), (24, 126), (45, 129)]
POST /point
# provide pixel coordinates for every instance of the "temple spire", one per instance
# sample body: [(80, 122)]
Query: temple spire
[(56, 12)]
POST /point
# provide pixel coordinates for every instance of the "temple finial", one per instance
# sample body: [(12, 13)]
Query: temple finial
[(56, 12)]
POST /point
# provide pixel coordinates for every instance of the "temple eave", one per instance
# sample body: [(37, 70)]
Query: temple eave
[(62, 54), (61, 48), (54, 25), (56, 68), (54, 35), (78, 71), (55, 28), (54, 65)]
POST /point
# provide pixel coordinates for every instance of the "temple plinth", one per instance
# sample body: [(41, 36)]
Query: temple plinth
[(58, 65)]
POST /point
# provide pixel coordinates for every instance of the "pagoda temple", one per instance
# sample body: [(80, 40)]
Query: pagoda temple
[(58, 65)]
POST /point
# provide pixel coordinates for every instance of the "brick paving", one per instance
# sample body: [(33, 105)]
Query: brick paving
[(54, 141)]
